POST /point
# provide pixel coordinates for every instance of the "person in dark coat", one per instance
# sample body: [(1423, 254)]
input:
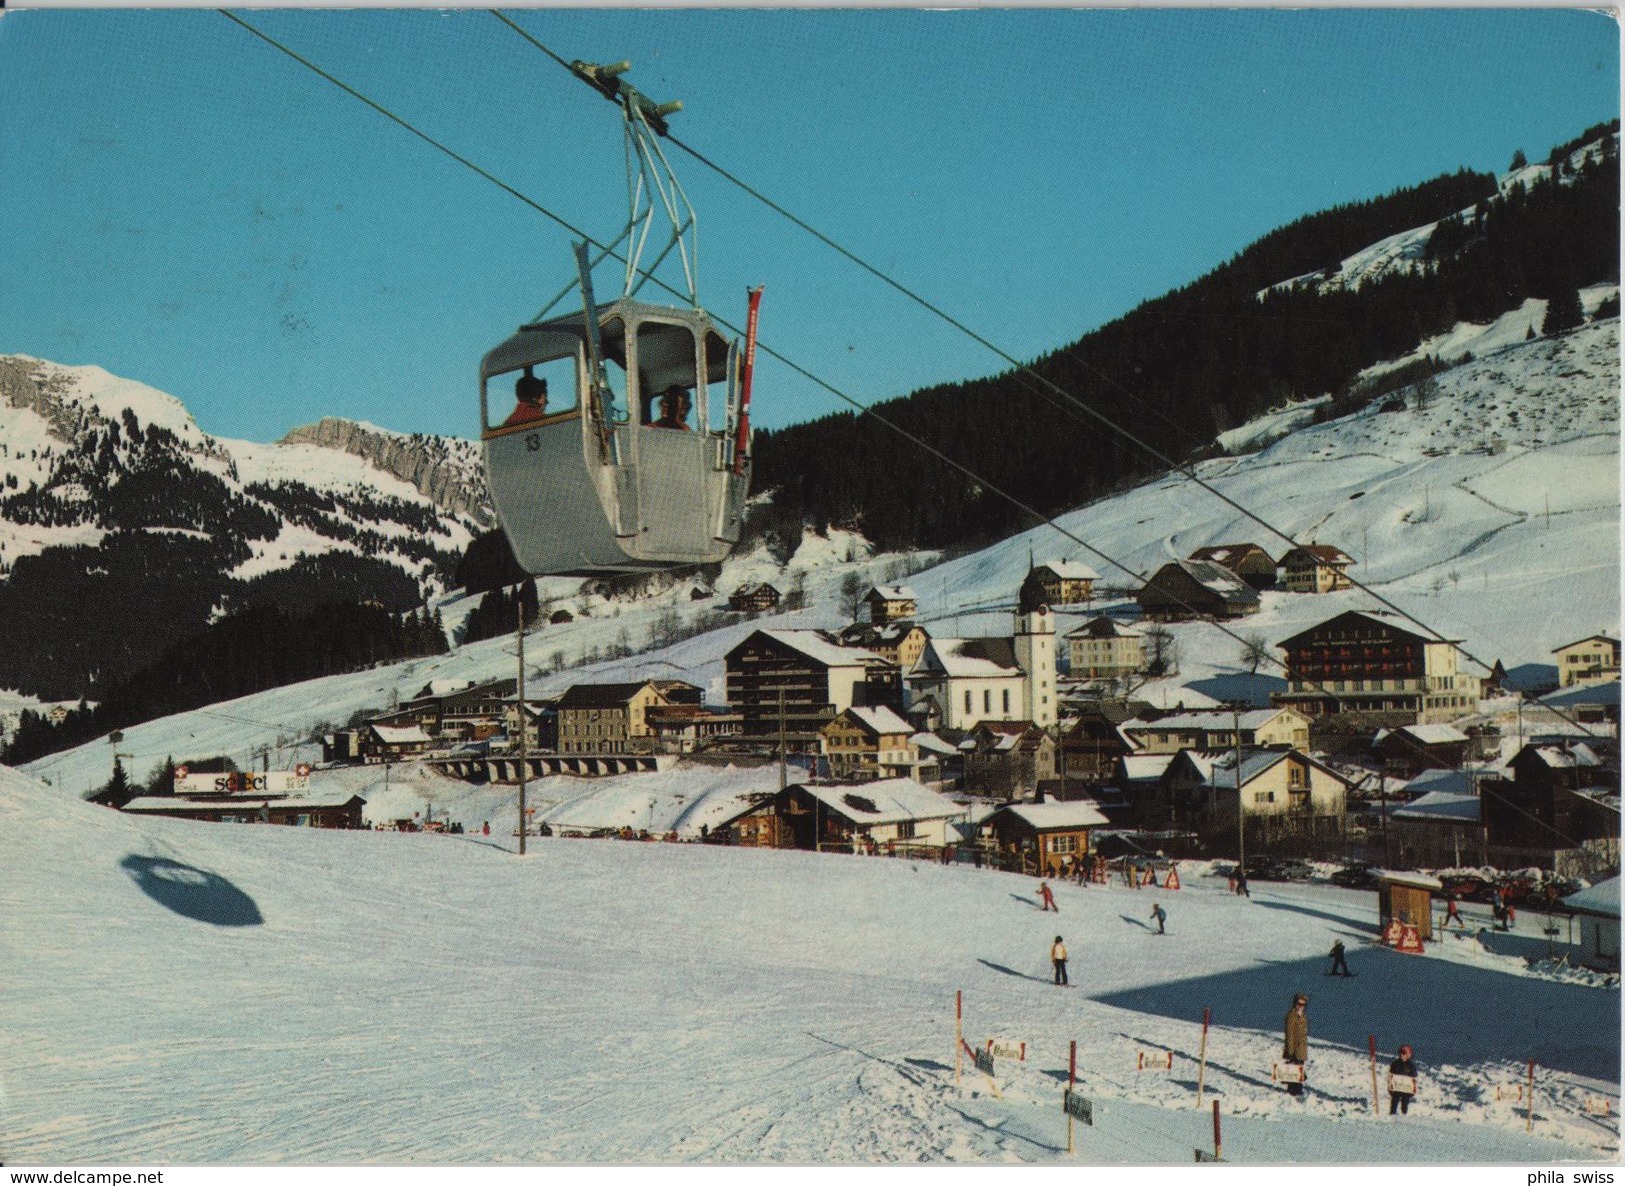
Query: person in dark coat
[(1340, 963), (1241, 884), (1295, 1046), (1401, 1082), (1161, 915)]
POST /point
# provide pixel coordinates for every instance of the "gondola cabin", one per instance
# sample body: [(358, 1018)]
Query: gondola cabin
[(646, 468)]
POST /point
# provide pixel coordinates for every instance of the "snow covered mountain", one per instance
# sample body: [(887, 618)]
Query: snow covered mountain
[(104, 477)]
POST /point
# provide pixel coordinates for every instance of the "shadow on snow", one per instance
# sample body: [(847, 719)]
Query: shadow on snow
[(192, 893)]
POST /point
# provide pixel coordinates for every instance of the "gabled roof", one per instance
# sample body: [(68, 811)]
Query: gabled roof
[(1255, 762), (1215, 578), (891, 593), (599, 695), (1228, 554), (401, 734), (888, 801), (1148, 767), (970, 658), (1318, 554), (1579, 756), (1441, 807), (817, 646), (1604, 695), (1608, 638), (1371, 619), (1052, 816), (1424, 734), (867, 634), (877, 720), (930, 743), (1104, 627), (1602, 898), (1253, 718), (1069, 570)]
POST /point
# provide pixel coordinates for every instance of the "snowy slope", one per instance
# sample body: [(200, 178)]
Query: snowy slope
[(192, 993)]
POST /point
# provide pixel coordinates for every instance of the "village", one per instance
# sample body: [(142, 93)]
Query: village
[(1031, 752)]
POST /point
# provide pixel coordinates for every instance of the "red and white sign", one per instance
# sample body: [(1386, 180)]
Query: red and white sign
[(246, 782), (1410, 940)]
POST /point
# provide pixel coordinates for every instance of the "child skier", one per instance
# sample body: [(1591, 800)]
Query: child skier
[(1161, 915), (1401, 1082), (1340, 963), (1048, 897)]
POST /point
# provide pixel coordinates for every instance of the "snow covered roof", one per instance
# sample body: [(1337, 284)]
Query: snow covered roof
[(1319, 554), (1217, 579), (1228, 554), (815, 645), (1602, 898), (1458, 782), (1254, 718), (1050, 815), (888, 801), (892, 593), (1146, 767), (326, 797), (880, 719), (1577, 756), (930, 743), (972, 658), (401, 734), (1425, 734), (1104, 627), (1070, 570), (1604, 695), (1442, 807)]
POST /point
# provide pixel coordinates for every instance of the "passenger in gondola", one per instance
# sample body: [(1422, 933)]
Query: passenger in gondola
[(531, 393), (674, 405)]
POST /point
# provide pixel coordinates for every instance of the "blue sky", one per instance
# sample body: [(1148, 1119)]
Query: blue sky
[(185, 206)]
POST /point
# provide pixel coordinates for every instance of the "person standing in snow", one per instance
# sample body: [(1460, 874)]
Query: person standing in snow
[(1241, 884), (1295, 1047), (1161, 915), (1047, 897), (1057, 956), (1451, 912), (1340, 963), (1401, 1082)]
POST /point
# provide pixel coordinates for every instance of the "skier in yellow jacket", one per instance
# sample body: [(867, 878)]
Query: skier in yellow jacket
[(1057, 956)]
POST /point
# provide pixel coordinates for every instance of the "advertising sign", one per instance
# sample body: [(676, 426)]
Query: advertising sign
[(246, 782)]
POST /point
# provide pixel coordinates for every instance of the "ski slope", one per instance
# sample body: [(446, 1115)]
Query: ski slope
[(185, 993)]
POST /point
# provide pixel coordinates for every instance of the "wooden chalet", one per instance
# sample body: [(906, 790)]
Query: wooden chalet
[(1282, 792), (1044, 837), (1366, 661), (1248, 561), (1187, 589), (394, 743), (1559, 811), (1095, 741), (894, 815), (900, 642), (1218, 729), (864, 744), (1316, 568), (758, 599), (1007, 759), (1411, 749), (311, 809), (811, 677)]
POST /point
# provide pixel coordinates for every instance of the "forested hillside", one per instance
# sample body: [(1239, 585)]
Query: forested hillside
[(1184, 367)]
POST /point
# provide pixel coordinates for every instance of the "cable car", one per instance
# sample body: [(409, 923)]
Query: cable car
[(628, 445)]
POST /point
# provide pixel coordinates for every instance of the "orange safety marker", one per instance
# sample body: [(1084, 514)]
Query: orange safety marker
[(1173, 878)]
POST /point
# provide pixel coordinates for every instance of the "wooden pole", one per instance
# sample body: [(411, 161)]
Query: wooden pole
[(1071, 1084), (524, 753), (1218, 1144), (1371, 1042), (1529, 1119), (959, 1034), (1201, 1072)]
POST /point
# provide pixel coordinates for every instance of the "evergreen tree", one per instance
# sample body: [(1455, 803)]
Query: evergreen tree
[(1519, 161), (1563, 312), (118, 791)]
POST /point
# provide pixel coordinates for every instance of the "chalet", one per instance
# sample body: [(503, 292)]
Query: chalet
[(1105, 649), (939, 759), (976, 679), (607, 718), (1411, 749), (890, 603), (1248, 561), (1598, 911), (760, 599), (1007, 759), (1094, 742), (892, 815), (1185, 589), (901, 643), (1282, 792), (1589, 704), (1365, 661), (1441, 829), (1559, 811), (1217, 729), (394, 743), (811, 676), (1043, 836), (1316, 568), (310, 809), (1140, 778), (475, 713), (1065, 582), (864, 744), (1593, 660)]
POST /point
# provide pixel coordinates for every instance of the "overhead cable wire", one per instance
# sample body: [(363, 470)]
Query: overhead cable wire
[(862, 408)]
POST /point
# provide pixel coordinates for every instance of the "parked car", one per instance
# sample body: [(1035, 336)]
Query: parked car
[(1284, 870), (1355, 877)]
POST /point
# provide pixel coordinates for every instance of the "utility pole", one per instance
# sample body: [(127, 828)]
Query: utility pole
[(1241, 813), (524, 752), (783, 771)]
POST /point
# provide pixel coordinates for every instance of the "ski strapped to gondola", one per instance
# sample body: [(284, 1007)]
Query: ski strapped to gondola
[(742, 441), (596, 383)]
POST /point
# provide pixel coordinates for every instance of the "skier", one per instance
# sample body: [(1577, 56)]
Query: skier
[(1339, 961), (1048, 897), (1451, 912), (1161, 915), (485, 828), (1295, 1047), (1401, 1082), (1057, 956), (1241, 884)]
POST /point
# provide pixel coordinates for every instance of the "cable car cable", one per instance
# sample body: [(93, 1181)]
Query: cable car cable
[(1044, 520)]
